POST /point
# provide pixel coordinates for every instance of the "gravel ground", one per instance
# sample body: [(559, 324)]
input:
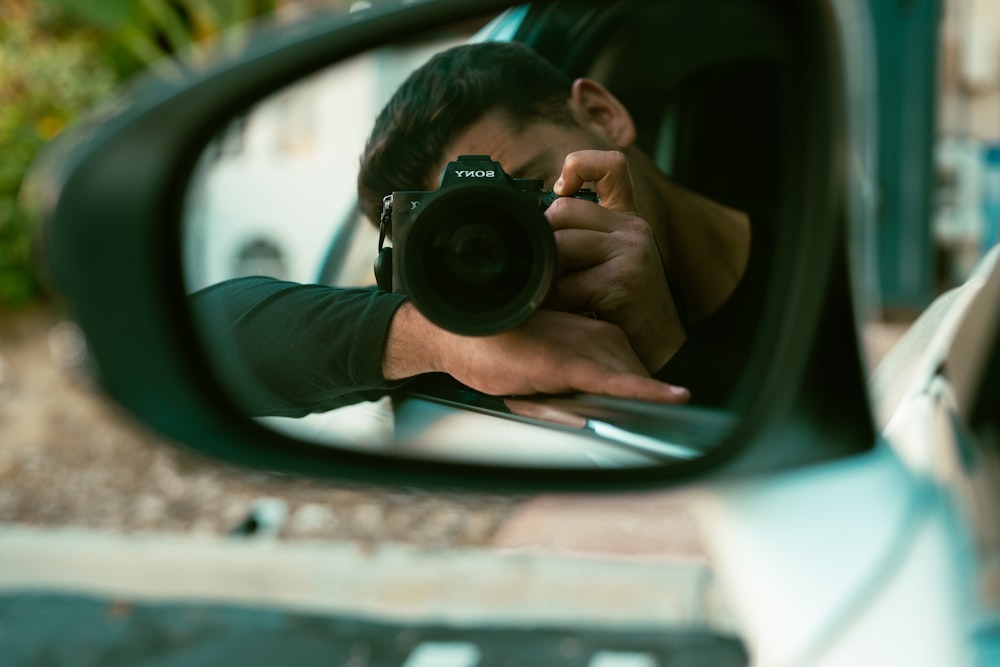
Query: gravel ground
[(69, 457)]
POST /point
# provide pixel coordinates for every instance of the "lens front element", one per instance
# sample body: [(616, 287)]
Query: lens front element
[(478, 259)]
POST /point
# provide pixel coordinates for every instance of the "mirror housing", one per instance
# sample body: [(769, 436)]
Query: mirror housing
[(108, 194)]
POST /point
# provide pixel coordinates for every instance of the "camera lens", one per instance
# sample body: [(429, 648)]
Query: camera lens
[(476, 254), (478, 259)]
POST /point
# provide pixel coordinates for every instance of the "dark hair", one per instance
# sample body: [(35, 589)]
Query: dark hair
[(450, 92)]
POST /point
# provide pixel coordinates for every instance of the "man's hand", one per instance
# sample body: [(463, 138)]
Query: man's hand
[(550, 353), (610, 262)]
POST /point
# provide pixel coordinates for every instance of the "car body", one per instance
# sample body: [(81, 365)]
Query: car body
[(850, 510)]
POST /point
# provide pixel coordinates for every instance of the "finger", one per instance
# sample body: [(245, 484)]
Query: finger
[(582, 248), (570, 213), (607, 170), (576, 291), (647, 389), (626, 385)]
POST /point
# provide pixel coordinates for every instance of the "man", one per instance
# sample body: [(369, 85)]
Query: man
[(648, 262)]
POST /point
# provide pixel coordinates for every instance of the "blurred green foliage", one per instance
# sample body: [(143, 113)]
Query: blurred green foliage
[(49, 71), (59, 58)]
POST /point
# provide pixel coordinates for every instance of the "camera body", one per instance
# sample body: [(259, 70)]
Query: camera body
[(476, 256)]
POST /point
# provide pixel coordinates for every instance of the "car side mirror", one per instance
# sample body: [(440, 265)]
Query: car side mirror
[(166, 197)]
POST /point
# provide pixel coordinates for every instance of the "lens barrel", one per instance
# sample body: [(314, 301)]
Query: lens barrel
[(476, 259)]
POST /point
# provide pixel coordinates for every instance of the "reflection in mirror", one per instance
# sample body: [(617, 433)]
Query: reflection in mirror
[(631, 353)]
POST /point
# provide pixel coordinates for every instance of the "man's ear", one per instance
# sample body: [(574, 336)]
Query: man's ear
[(595, 108)]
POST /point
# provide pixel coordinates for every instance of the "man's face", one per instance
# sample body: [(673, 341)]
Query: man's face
[(535, 151)]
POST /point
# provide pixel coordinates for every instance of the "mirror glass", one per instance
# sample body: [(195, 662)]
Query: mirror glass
[(276, 243)]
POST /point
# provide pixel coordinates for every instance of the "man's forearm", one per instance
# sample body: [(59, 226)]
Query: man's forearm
[(411, 345)]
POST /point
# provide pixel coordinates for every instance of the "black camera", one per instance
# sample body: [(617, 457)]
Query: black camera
[(477, 255)]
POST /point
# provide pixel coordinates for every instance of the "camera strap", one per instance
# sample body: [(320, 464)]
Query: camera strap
[(385, 221), (383, 260)]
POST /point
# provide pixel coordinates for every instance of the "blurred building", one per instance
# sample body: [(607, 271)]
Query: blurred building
[(275, 192), (967, 205)]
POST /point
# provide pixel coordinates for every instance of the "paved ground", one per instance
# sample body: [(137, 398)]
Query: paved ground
[(96, 632)]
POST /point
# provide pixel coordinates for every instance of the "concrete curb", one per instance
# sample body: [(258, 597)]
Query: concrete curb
[(458, 587)]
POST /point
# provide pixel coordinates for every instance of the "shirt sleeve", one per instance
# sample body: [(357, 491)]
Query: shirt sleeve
[(288, 349)]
